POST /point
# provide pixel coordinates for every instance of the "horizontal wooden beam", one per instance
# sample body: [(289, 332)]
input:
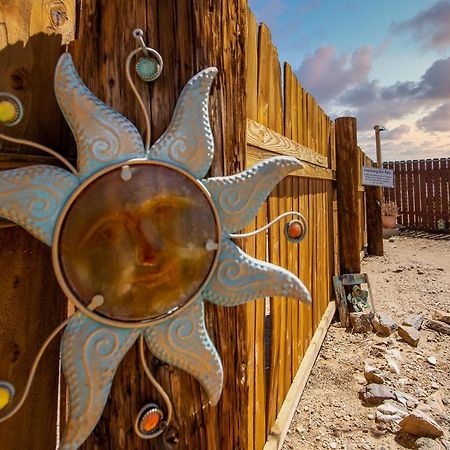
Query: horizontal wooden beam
[(255, 155), (264, 138), (15, 160), (281, 426)]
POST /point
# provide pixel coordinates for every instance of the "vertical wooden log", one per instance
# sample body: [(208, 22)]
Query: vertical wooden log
[(32, 306), (31, 303), (190, 35), (347, 194), (374, 223)]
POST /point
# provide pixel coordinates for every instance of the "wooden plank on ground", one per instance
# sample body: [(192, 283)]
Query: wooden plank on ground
[(280, 428)]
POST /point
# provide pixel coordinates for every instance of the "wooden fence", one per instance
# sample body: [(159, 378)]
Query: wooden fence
[(421, 192), (284, 119), (257, 110)]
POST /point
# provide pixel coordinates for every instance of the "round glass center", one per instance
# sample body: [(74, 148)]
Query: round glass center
[(138, 242)]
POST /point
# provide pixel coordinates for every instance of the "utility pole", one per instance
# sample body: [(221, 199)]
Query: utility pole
[(377, 129)]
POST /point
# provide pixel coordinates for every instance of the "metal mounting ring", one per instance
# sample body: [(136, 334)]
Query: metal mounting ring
[(150, 66), (150, 422), (18, 109), (296, 229)]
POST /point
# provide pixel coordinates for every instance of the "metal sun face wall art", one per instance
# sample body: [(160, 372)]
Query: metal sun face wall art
[(140, 239)]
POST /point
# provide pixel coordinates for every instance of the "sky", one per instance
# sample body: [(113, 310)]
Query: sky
[(385, 63)]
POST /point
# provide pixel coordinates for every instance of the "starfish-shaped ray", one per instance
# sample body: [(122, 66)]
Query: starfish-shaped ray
[(44, 199)]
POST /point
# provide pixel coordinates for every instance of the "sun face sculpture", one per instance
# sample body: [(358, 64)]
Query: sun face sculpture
[(140, 239)]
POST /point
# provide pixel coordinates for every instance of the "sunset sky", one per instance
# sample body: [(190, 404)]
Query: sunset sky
[(384, 62)]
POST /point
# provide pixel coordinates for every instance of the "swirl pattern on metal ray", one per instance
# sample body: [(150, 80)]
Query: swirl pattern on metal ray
[(188, 142), (239, 197), (184, 342), (239, 278), (91, 353), (33, 197), (103, 136)]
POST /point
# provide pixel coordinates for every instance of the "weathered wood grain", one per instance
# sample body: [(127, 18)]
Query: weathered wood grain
[(264, 138), (30, 44), (32, 306), (190, 35), (347, 187), (31, 34), (255, 155)]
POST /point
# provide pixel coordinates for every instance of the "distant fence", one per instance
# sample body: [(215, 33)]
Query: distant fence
[(421, 192)]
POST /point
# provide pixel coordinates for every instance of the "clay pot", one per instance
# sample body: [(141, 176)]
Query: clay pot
[(389, 221)]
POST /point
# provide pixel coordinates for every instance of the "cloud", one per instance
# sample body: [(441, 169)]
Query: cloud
[(376, 104), (437, 120), (397, 133), (431, 26), (327, 74)]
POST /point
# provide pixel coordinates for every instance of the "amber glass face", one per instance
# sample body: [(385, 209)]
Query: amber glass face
[(139, 243)]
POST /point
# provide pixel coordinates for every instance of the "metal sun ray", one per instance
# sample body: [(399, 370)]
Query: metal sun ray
[(184, 342), (239, 197), (103, 136), (239, 278), (34, 196)]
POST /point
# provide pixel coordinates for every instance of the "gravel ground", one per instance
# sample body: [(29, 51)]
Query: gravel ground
[(412, 277)]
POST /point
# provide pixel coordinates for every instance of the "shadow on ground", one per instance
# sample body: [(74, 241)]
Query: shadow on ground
[(425, 235)]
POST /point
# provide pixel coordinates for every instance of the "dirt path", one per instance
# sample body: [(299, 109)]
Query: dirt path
[(412, 277)]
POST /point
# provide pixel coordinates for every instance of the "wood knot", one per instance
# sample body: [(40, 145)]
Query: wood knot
[(18, 79), (58, 15)]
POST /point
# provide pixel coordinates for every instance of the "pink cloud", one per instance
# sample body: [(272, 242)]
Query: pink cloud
[(327, 74)]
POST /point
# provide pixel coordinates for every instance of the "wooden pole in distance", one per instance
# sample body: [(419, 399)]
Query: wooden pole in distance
[(373, 202), (377, 129), (347, 194)]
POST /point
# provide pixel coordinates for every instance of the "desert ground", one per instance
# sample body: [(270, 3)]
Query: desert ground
[(413, 277)]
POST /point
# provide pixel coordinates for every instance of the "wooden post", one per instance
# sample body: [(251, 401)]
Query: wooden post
[(347, 194), (31, 303), (374, 198), (374, 223), (190, 35)]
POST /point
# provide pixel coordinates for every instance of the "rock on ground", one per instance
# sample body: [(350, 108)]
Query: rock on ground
[(373, 375), (421, 425), (361, 322), (427, 444), (414, 320), (409, 334), (374, 394), (383, 324)]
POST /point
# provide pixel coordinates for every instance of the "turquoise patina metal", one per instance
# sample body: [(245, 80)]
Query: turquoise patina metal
[(34, 197)]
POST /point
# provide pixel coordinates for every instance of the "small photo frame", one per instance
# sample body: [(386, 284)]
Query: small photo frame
[(353, 294)]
